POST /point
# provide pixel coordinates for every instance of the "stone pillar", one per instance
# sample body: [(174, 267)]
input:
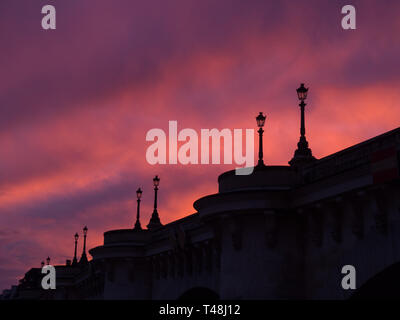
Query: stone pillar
[(335, 210), (316, 224), (380, 210), (235, 226), (271, 229), (357, 219)]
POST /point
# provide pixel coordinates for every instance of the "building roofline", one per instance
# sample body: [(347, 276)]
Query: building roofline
[(357, 146)]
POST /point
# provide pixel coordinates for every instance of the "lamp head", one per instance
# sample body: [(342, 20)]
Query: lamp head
[(156, 181), (260, 120), (302, 92), (139, 193)]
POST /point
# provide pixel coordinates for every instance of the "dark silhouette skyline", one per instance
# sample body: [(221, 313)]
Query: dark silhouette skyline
[(285, 219)]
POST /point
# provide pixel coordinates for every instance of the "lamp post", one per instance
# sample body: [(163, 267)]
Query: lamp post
[(137, 224), (48, 260), (75, 260), (260, 123), (156, 183), (302, 95), (85, 230), (84, 257), (155, 219), (303, 153)]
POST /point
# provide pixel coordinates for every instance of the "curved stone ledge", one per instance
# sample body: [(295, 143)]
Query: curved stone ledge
[(266, 177), (126, 235), (248, 201)]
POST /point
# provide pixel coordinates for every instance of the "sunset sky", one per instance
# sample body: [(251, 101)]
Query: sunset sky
[(76, 103)]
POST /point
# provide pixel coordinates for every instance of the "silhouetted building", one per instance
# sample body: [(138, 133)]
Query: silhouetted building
[(281, 232)]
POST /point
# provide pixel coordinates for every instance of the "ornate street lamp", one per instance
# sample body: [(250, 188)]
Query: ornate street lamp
[(155, 219), (84, 257), (303, 154), (302, 95), (137, 224), (75, 260), (260, 123), (156, 182), (85, 230), (302, 92)]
